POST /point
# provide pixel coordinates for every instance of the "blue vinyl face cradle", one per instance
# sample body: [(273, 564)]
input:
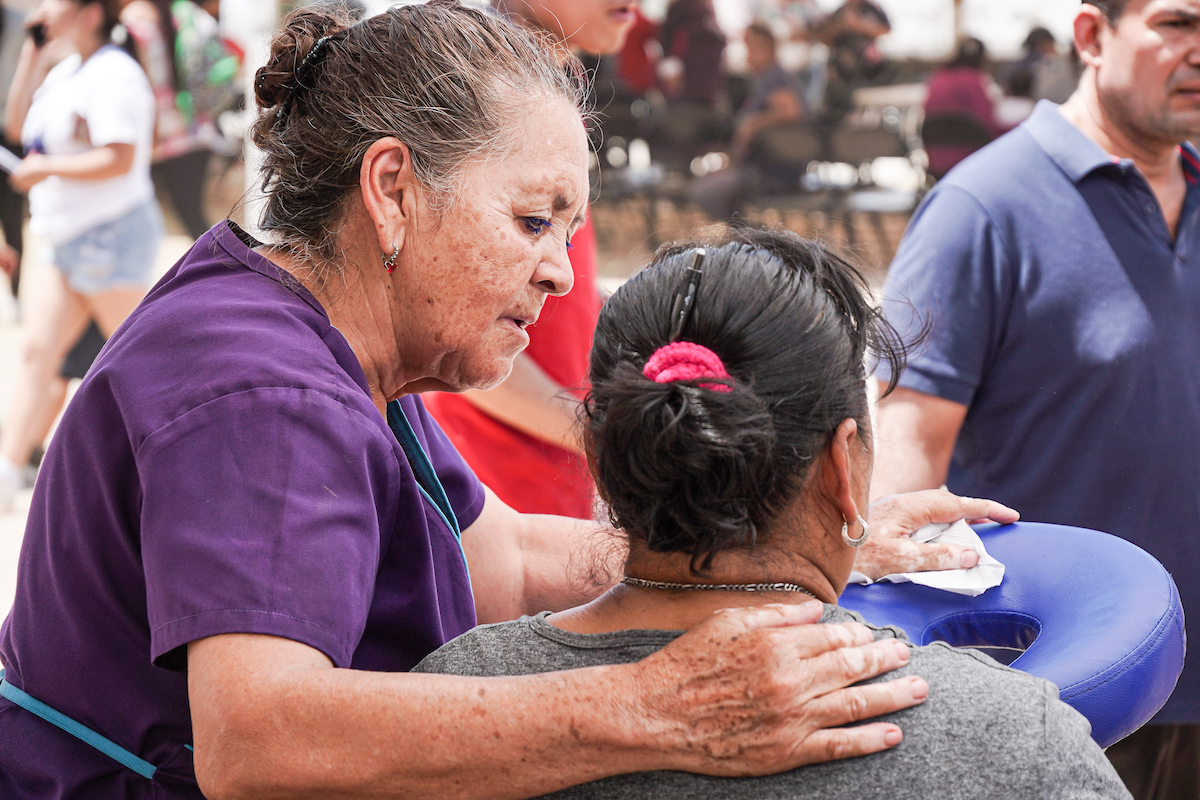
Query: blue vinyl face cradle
[(1067, 602)]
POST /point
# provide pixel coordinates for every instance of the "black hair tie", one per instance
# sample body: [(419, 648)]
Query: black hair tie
[(310, 61)]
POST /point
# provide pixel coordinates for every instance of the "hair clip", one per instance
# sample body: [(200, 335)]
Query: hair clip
[(302, 72), (685, 296)]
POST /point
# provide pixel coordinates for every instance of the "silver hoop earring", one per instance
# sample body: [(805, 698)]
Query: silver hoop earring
[(866, 531), (389, 262)]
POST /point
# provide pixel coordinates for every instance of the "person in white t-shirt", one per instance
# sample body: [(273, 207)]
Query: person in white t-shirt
[(85, 113)]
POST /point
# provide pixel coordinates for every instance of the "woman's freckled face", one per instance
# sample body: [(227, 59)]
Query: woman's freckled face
[(480, 273)]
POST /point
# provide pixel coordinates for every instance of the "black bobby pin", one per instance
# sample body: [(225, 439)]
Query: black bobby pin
[(685, 296), (303, 71)]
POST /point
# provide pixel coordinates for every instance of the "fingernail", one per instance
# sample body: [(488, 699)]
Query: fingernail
[(893, 737), (968, 559), (919, 689), (902, 651), (809, 605)]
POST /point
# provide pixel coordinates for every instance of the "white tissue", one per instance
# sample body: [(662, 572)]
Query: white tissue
[(974, 581)]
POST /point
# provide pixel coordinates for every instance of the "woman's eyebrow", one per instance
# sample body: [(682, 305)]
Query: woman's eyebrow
[(562, 204)]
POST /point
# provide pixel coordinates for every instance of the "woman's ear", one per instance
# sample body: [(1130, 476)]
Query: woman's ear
[(843, 477), (389, 191)]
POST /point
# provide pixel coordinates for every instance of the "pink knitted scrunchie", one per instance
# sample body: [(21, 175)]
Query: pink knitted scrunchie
[(686, 361)]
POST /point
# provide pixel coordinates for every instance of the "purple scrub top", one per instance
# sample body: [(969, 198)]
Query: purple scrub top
[(222, 469)]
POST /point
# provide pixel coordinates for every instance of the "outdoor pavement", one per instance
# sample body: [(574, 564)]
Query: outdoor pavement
[(12, 523)]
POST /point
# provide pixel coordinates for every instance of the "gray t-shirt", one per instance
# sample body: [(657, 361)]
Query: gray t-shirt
[(986, 731)]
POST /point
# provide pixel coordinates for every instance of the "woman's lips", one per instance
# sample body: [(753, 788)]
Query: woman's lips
[(519, 323), (517, 326)]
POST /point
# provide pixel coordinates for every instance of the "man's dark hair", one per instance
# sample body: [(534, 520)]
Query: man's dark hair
[(1036, 38), (1112, 9), (687, 469), (970, 53)]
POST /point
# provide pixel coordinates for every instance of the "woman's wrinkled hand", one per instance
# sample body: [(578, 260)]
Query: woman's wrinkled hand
[(893, 519), (757, 691)]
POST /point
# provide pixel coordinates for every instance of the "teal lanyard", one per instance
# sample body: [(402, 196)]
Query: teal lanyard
[(76, 729), (427, 479), (418, 460)]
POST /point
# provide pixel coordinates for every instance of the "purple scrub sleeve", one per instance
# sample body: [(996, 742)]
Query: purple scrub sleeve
[(254, 519), (222, 469)]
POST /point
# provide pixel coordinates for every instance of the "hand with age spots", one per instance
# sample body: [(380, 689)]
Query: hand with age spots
[(756, 691), (894, 518)]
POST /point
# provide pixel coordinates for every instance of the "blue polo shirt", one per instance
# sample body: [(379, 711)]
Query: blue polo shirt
[(1066, 318)]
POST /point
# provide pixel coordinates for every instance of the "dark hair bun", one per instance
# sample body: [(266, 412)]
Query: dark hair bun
[(275, 82), (689, 459)]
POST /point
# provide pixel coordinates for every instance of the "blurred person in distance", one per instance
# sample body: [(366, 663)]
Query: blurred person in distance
[(84, 110), (851, 33), (962, 87), (12, 203), (192, 74), (775, 95), (1053, 75), (693, 44), (775, 98)]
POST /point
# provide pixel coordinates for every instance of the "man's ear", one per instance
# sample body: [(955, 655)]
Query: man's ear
[(389, 191), (1089, 23)]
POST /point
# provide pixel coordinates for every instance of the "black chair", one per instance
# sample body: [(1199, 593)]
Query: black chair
[(859, 147), (954, 129), (685, 131), (780, 155), (791, 145)]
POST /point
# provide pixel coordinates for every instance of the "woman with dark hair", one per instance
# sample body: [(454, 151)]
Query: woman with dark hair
[(84, 112), (729, 431), (247, 527), (960, 97)]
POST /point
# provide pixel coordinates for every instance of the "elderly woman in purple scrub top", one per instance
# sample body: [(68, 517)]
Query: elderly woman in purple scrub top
[(248, 529)]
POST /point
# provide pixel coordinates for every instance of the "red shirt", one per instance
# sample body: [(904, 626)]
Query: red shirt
[(634, 64), (533, 476)]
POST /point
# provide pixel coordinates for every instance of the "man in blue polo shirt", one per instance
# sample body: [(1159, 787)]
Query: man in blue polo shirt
[(1059, 272)]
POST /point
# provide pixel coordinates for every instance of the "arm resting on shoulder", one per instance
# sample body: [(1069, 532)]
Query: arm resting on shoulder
[(748, 692), (914, 439), (526, 563), (530, 401)]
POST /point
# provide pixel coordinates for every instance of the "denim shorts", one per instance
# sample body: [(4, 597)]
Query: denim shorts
[(115, 255)]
